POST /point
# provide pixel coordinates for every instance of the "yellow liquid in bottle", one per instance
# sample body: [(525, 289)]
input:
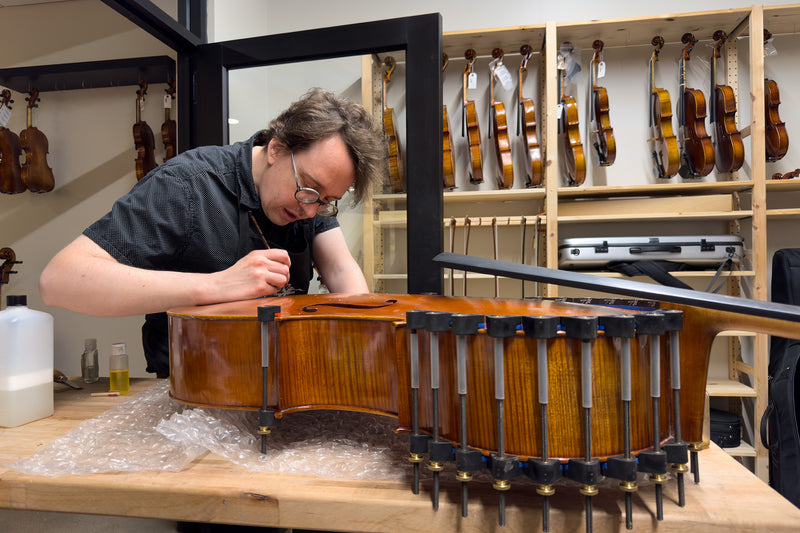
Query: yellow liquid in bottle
[(119, 381)]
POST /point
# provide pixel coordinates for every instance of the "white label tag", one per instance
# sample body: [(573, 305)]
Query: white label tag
[(769, 49), (472, 81), (559, 110), (601, 69), (167, 101), (504, 77), (5, 115)]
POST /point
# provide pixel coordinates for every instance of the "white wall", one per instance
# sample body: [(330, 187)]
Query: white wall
[(91, 150)]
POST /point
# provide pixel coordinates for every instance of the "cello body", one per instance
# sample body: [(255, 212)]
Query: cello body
[(352, 353)]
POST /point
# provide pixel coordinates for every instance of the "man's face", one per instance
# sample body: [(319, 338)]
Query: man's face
[(325, 166)]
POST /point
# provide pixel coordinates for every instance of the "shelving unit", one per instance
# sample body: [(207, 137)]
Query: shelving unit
[(630, 199)]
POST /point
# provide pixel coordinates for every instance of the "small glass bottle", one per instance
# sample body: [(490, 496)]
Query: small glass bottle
[(89, 366), (118, 369)]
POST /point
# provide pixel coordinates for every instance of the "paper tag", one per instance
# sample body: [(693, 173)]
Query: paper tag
[(559, 110), (601, 69), (5, 115), (472, 81), (504, 77), (769, 48), (141, 105), (167, 101)]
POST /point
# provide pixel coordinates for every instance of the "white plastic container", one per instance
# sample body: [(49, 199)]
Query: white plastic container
[(26, 363)]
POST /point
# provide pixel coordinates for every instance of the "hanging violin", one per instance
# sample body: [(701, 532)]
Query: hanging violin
[(470, 127), (10, 149), (665, 152), (168, 133), (448, 163), (697, 155), (728, 148), (526, 127), (143, 137), (36, 174), (777, 138), (570, 131), (390, 132), (497, 112), (604, 144), (9, 259)]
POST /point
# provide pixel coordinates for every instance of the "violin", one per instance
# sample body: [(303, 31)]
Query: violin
[(777, 138), (36, 174), (502, 144), (448, 155), (390, 132), (665, 152), (469, 122), (168, 133), (526, 127), (787, 176), (729, 147), (698, 151), (605, 144), (10, 149), (143, 137), (571, 135)]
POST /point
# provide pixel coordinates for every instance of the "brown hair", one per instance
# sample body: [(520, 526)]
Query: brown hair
[(319, 114)]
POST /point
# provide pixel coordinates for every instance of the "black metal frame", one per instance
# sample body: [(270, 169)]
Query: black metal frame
[(421, 38)]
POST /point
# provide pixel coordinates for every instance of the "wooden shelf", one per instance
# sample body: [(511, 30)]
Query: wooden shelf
[(721, 388)]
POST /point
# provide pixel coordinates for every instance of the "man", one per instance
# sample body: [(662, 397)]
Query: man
[(219, 224)]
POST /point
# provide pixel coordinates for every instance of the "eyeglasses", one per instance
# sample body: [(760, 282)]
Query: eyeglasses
[(306, 195)]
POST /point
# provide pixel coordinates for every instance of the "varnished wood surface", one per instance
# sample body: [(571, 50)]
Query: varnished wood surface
[(728, 498)]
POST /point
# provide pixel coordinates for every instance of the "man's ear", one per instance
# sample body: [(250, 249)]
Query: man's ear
[(275, 149)]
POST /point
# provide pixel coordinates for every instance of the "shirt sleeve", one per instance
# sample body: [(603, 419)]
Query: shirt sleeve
[(148, 227)]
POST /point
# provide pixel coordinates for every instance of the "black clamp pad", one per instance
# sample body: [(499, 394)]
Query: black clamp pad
[(650, 324), (621, 468), (502, 326), (466, 324), (504, 468), (580, 327), (677, 452), (585, 472), (543, 472), (540, 327), (266, 313), (618, 326), (440, 451), (653, 462), (418, 443), (673, 320), (437, 321), (415, 319), (469, 460), (266, 418)]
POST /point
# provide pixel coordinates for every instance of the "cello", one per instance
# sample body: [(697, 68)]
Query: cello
[(168, 133), (497, 112), (390, 132), (605, 144), (448, 163), (697, 155), (10, 150), (470, 127), (143, 137), (665, 152), (36, 174), (526, 127), (570, 132), (729, 148), (777, 138)]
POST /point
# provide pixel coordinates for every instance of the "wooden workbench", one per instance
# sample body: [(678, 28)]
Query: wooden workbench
[(729, 498)]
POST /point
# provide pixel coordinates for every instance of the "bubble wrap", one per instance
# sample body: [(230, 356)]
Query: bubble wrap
[(151, 432)]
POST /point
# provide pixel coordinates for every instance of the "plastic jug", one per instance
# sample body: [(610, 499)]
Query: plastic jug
[(26, 363)]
